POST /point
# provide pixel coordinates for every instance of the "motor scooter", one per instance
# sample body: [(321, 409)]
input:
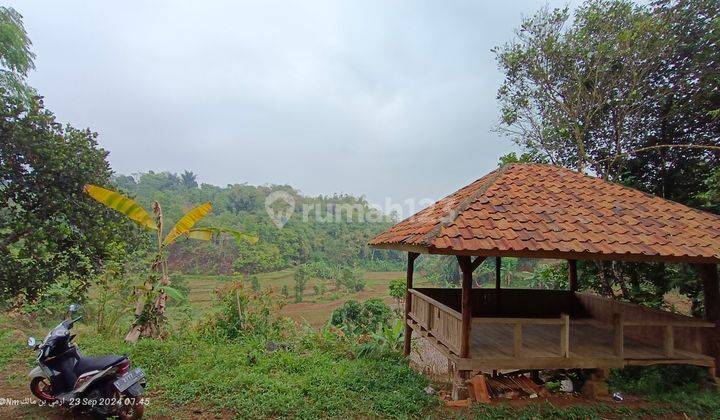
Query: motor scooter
[(103, 386)]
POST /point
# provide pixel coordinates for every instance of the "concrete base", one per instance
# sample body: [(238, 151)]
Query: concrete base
[(459, 382)]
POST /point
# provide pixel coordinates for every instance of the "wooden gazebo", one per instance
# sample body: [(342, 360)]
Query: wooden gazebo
[(542, 211)]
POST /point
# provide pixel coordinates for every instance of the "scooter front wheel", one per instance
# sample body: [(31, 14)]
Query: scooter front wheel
[(41, 388)]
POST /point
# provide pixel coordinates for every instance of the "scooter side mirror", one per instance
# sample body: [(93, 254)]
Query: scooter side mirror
[(73, 308), (31, 342)]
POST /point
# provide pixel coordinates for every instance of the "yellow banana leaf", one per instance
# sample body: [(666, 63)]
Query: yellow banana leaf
[(124, 205), (187, 222), (205, 234)]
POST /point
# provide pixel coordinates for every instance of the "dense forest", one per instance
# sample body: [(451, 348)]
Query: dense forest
[(319, 229)]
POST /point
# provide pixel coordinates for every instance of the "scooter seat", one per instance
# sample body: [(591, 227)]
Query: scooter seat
[(87, 364)]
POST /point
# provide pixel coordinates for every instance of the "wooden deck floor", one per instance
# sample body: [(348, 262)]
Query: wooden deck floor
[(587, 341)]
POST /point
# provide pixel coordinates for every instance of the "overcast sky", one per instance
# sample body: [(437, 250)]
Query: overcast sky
[(380, 98)]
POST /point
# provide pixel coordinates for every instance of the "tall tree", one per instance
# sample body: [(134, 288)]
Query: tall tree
[(573, 88), (626, 92), (48, 231), (16, 58), (189, 179)]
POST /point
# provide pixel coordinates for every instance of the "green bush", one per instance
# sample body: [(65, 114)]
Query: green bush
[(657, 380), (255, 283), (398, 290), (242, 312), (351, 278), (361, 318), (111, 303)]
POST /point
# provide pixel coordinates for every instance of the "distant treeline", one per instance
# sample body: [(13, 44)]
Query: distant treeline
[(335, 230)]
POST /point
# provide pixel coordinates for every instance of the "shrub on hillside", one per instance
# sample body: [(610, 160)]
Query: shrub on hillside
[(243, 312), (351, 278), (361, 318)]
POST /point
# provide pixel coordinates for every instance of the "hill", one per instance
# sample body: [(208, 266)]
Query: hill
[(332, 229)]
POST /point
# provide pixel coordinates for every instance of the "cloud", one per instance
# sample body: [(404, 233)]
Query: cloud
[(381, 98)]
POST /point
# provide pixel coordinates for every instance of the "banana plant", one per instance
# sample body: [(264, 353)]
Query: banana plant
[(151, 298)]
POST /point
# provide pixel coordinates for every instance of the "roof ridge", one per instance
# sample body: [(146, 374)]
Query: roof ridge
[(493, 176)]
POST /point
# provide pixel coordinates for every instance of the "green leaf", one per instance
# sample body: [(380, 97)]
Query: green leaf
[(173, 293), (124, 205), (187, 222), (205, 234)]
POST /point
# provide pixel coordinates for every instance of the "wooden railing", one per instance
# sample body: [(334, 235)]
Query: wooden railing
[(668, 332), (440, 321), (663, 329), (517, 323)]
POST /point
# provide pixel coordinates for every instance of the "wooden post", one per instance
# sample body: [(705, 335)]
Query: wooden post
[(408, 304), (572, 275), (517, 339), (668, 341), (498, 264), (565, 336), (618, 342), (466, 310), (711, 289)]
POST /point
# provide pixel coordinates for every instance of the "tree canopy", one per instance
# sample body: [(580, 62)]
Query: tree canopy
[(628, 92)]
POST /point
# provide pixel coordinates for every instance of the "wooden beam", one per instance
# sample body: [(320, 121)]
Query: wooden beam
[(711, 290), (476, 262), (573, 275), (517, 340), (466, 312), (668, 341), (618, 341), (560, 255), (408, 303), (498, 265), (565, 336)]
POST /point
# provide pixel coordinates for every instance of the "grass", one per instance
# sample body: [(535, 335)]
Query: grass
[(308, 380), (314, 310), (317, 376), (320, 376)]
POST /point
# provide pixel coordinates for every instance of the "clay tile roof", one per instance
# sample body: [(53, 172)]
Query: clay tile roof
[(545, 211)]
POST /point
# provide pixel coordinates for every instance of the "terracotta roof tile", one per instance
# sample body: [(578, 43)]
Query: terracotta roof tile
[(521, 209)]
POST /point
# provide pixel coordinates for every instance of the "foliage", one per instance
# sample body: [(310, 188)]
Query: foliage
[(398, 290), (322, 238), (261, 258), (626, 92), (512, 157), (387, 341), (351, 278), (16, 58), (255, 283), (152, 296), (315, 377), (361, 318), (301, 277), (440, 270), (682, 387), (284, 291), (550, 276), (48, 231), (243, 312), (320, 288), (572, 86), (657, 380), (111, 300)]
